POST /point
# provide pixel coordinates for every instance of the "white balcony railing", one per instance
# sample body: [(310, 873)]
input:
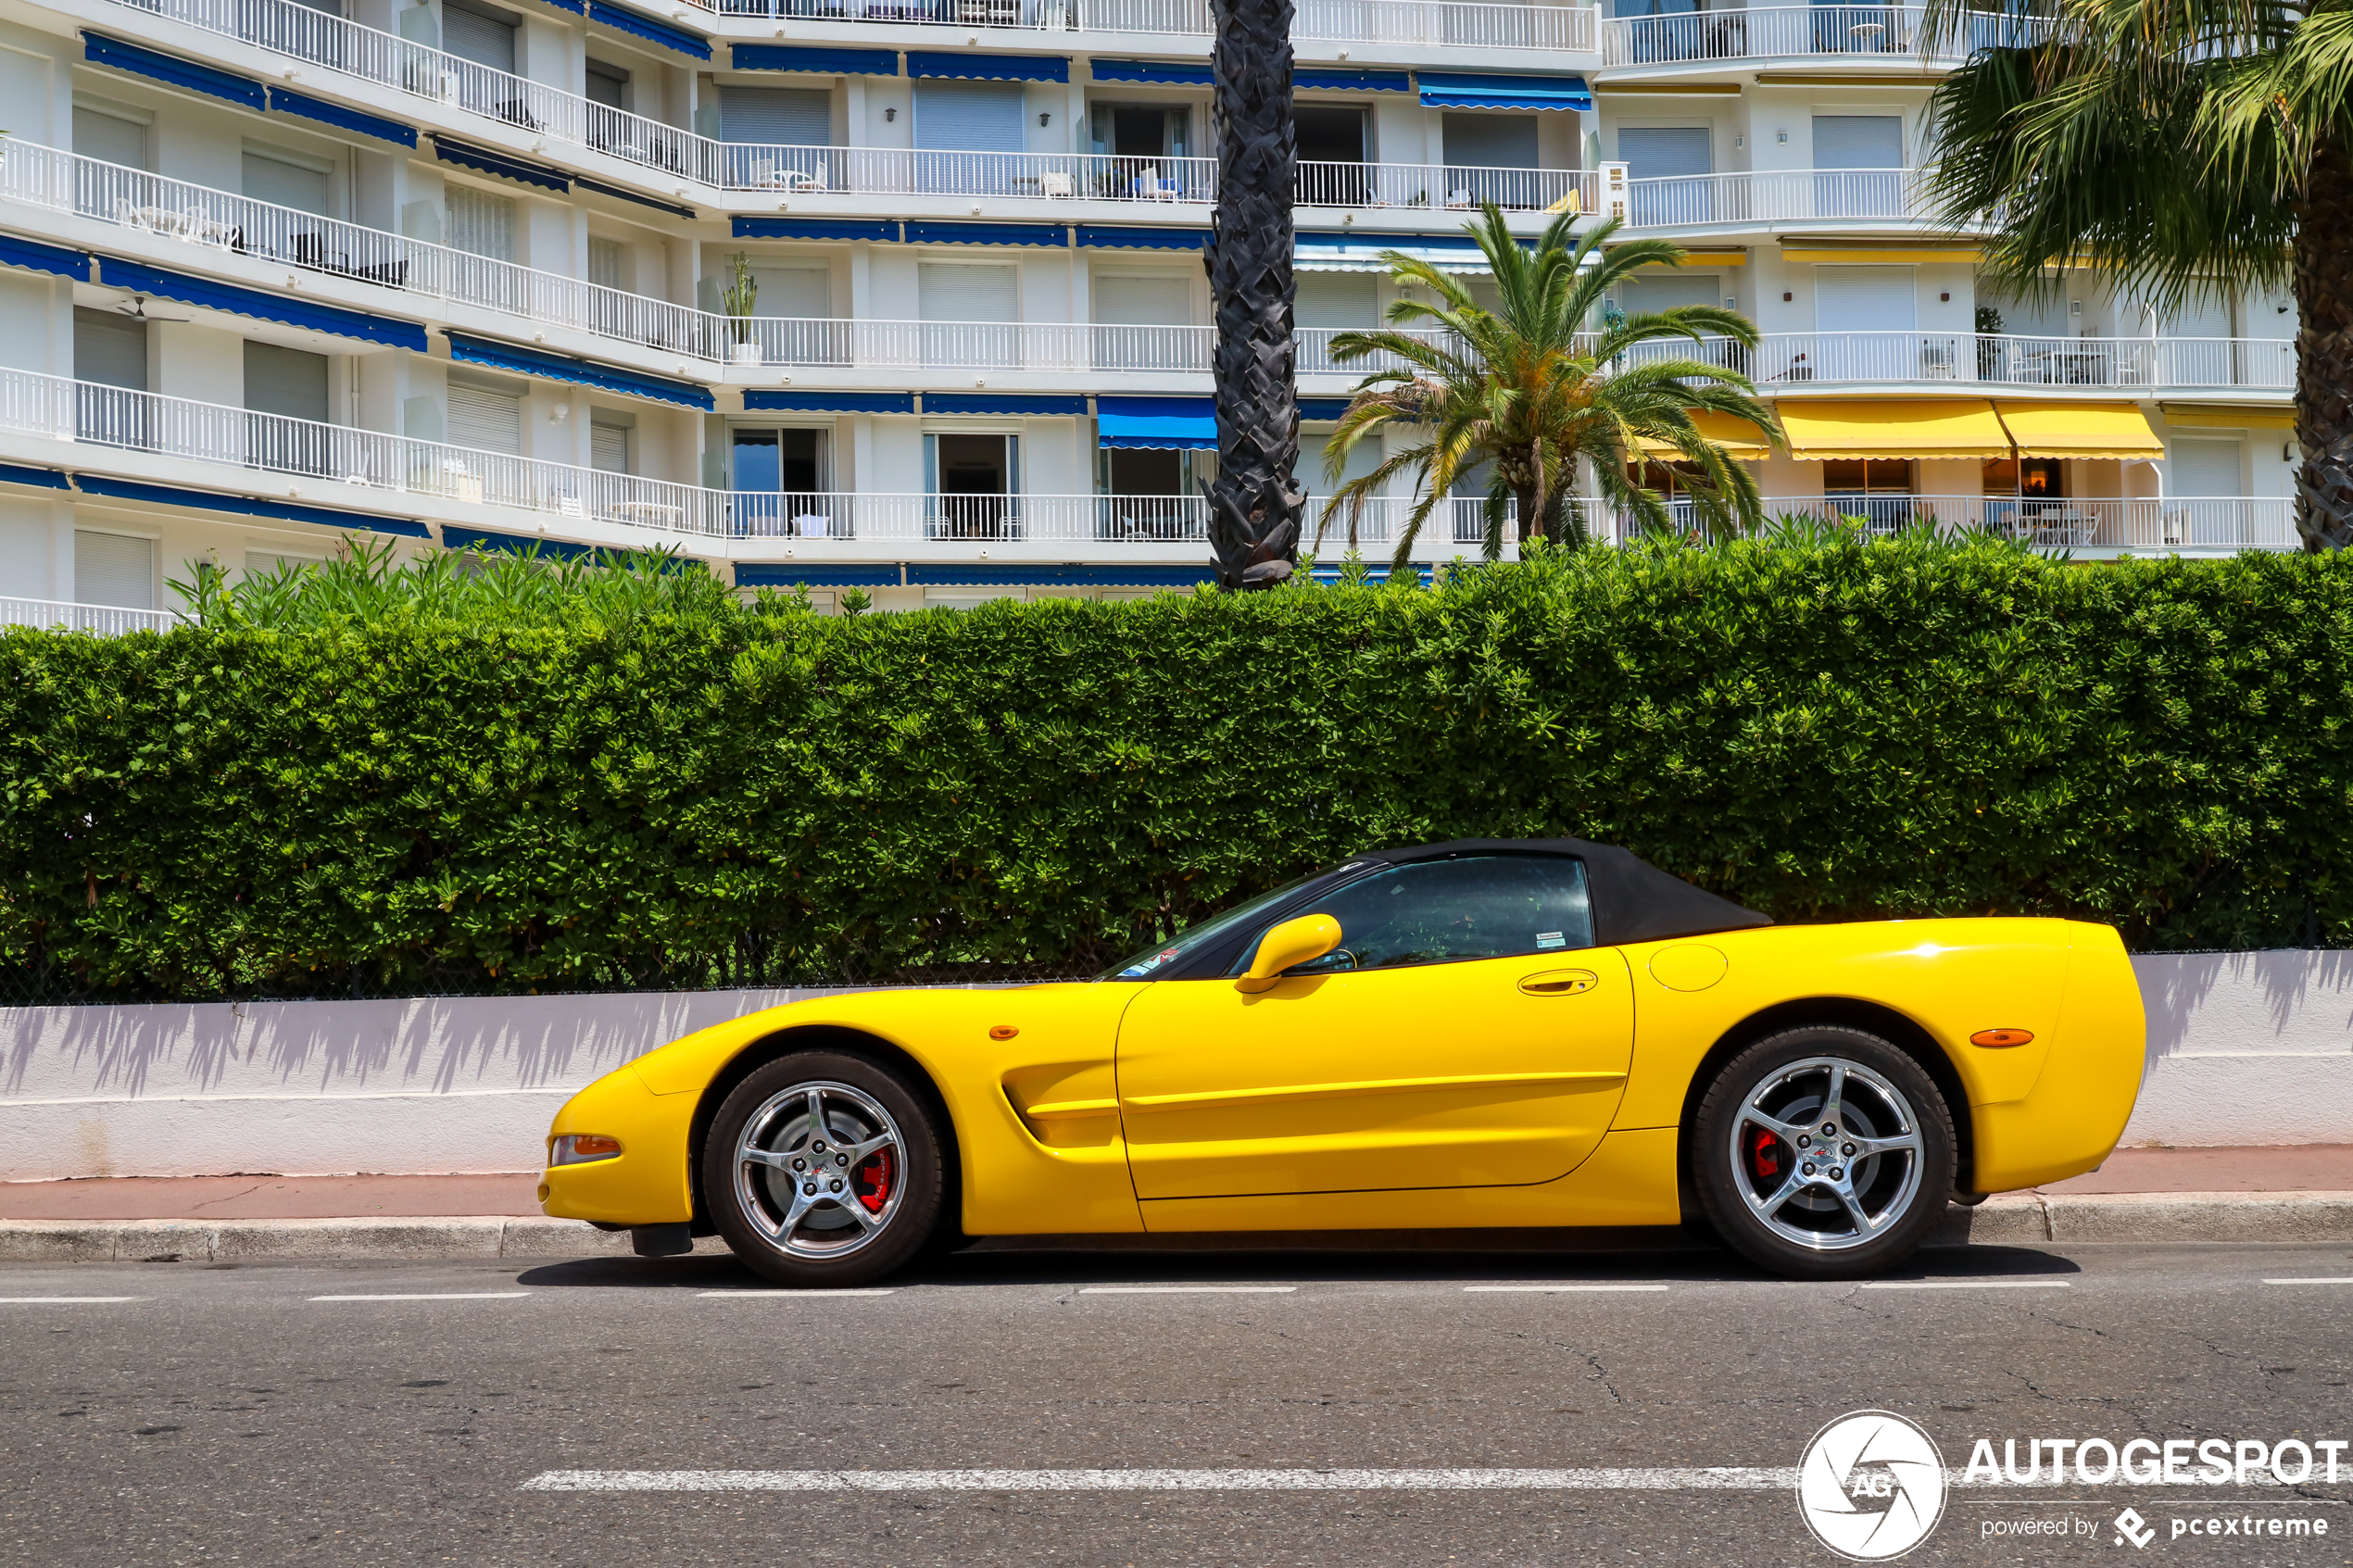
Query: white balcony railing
[(106, 620), (1457, 188), (1795, 359), (1458, 23), (1852, 31), (1778, 195), (2232, 523)]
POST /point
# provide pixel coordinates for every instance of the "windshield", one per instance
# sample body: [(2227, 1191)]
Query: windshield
[(1154, 959)]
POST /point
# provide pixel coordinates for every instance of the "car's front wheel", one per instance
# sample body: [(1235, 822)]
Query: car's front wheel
[(1823, 1153), (823, 1168)]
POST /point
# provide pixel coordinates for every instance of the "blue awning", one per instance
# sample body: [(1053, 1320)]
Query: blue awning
[(1116, 236), (73, 264), (652, 31), (509, 544), (883, 229), (830, 62), (1355, 252), (576, 6), (1326, 79), (757, 402), (469, 350), (173, 72), (987, 68), (1152, 73), (1182, 422), (325, 113), (332, 320), (1040, 404), (1322, 407), (1473, 90), (246, 506), (988, 574), (466, 154), (986, 233), (784, 574), (584, 182), (17, 474)]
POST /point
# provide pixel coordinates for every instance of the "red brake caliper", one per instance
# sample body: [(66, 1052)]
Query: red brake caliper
[(871, 1181), (1764, 1154)]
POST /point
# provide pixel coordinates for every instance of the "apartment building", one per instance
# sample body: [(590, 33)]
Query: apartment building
[(907, 294)]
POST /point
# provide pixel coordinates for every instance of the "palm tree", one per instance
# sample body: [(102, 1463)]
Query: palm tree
[(1531, 389), (2188, 147), (1254, 502)]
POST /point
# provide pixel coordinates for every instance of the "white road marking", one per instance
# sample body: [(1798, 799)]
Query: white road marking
[(2345, 1279), (1187, 1289), (1709, 1479), (1966, 1284), (63, 1301), (434, 1296), (785, 1295), (1555, 1290), (1706, 1478)]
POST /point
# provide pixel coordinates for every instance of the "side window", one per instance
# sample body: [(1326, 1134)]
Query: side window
[(1451, 912)]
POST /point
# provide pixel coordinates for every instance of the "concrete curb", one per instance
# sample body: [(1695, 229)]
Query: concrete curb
[(222, 1241), (2012, 1220)]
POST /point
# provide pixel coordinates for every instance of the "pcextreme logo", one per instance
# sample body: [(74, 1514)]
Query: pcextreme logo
[(1871, 1485)]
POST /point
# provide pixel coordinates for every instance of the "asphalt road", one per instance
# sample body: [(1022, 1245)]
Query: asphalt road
[(226, 1415)]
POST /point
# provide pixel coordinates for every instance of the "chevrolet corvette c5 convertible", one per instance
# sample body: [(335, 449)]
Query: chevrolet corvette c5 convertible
[(1482, 1033)]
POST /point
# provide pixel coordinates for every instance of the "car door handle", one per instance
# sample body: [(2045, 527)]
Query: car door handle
[(1560, 982)]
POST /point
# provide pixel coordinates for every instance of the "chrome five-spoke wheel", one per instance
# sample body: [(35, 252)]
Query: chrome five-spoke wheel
[(817, 1168), (1823, 1152), (1828, 1153), (824, 1168)]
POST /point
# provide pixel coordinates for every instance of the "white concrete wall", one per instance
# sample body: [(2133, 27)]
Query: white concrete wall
[(2244, 1048)]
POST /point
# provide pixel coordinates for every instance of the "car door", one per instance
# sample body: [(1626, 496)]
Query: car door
[(1466, 1032)]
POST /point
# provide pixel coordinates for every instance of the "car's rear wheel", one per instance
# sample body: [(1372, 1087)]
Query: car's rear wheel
[(823, 1168), (1823, 1152)]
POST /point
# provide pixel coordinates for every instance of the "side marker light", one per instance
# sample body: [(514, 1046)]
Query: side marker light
[(1998, 1038), (1003, 1032)]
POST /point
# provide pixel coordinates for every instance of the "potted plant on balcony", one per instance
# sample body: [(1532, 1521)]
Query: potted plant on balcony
[(1989, 354), (740, 296)]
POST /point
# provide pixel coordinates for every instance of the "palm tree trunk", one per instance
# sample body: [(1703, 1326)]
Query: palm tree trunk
[(1254, 503), (2324, 351)]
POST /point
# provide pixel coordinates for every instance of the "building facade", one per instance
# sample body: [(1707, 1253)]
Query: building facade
[(907, 295)]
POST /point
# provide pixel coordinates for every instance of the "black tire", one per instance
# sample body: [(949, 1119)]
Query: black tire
[(1777, 1203), (898, 1187)]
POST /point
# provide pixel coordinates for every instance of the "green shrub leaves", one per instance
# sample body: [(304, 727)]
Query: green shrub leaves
[(634, 781)]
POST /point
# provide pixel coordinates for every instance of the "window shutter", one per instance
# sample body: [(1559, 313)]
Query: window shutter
[(2202, 467), (1128, 301), (109, 137), (1858, 141), (974, 117), (1664, 152), (609, 449), (110, 349), (1864, 299), (485, 420), (1336, 299), (776, 116), (281, 183), (800, 292), (114, 569), (1490, 141), (285, 380), (481, 223), (1638, 295), (951, 292), (269, 563), (477, 36), (604, 261)]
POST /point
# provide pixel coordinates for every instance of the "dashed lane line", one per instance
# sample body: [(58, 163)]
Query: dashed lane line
[(2323, 1279), (1187, 1289), (782, 1295), (1966, 1284), (1552, 1289), (64, 1300), (431, 1296), (1725, 1478)]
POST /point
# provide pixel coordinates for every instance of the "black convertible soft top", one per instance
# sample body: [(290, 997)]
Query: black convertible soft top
[(1633, 901)]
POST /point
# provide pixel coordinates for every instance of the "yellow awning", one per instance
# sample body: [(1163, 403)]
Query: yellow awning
[(1944, 427), (2227, 416), (1738, 438), (1898, 253), (2116, 431)]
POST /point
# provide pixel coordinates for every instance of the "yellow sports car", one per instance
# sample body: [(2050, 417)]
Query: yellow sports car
[(1481, 1034)]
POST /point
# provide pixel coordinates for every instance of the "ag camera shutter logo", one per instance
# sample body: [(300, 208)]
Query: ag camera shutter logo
[(1871, 1485)]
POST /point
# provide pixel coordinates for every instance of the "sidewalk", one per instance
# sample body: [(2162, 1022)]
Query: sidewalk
[(2286, 1193)]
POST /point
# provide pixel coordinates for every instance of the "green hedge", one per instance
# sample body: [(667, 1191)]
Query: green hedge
[(671, 789)]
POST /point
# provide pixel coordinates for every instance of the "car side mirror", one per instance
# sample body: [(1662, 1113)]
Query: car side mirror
[(1293, 942)]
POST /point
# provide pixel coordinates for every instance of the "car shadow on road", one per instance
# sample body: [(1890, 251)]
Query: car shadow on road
[(1650, 1255)]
